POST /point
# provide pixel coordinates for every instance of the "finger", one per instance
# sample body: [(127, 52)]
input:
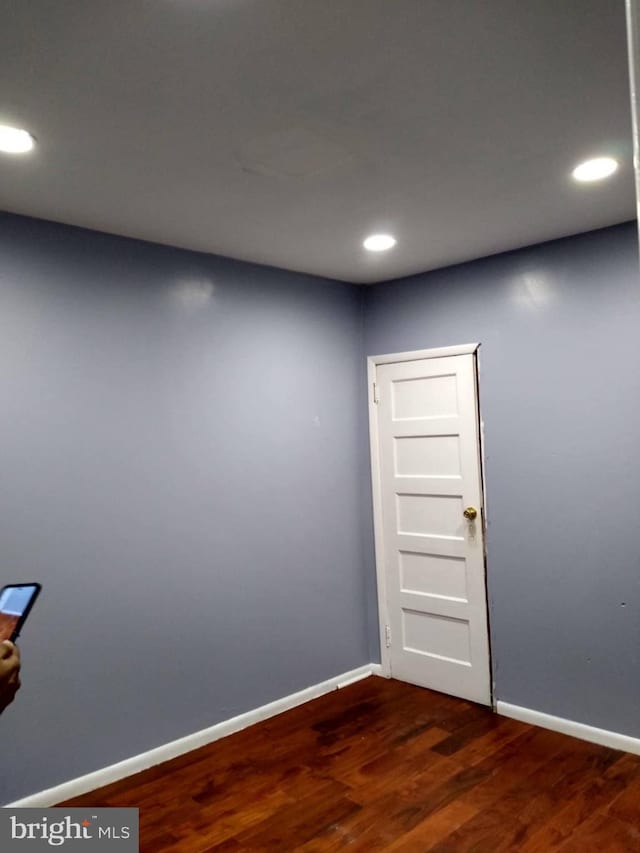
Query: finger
[(9, 666), (10, 656), (7, 649)]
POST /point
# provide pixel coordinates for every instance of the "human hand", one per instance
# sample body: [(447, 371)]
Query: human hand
[(9, 673)]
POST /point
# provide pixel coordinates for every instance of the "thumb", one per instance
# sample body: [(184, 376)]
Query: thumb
[(6, 649)]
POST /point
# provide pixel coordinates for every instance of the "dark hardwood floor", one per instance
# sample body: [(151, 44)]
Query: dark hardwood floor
[(382, 765)]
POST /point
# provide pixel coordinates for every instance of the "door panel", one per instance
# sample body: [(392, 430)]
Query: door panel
[(427, 455), (429, 515), (433, 574), (436, 635), (429, 465), (424, 397)]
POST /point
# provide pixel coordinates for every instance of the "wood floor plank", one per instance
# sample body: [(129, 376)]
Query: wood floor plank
[(626, 805), (435, 828), (604, 834), (514, 817), (382, 765), (594, 795)]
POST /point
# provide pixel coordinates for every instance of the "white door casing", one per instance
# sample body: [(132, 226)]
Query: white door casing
[(426, 470)]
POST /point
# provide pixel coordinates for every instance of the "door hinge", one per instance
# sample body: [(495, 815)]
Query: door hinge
[(376, 399), (387, 635)]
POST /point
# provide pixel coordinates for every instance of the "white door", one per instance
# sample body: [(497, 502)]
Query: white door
[(430, 556)]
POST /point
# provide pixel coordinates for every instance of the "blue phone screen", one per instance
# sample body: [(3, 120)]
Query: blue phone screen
[(14, 600)]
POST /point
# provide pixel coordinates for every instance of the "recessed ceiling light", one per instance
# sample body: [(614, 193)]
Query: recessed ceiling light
[(596, 169), (13, 140), (379, 242)]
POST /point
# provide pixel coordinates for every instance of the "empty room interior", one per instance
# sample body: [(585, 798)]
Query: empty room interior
[(319, 400)]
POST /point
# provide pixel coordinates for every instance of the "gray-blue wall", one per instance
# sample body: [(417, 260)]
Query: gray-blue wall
[(181, 445), (560, 394), (184, 465)]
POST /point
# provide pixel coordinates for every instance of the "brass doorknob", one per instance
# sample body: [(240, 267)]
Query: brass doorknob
[(470, 513)]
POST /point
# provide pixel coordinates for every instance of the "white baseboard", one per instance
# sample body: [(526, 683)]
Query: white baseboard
[(137, 763), (615, 740)]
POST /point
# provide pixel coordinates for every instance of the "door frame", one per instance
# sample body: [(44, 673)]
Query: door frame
[(376, 485)]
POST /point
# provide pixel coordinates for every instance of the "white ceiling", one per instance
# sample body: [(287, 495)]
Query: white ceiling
[(283, 131)]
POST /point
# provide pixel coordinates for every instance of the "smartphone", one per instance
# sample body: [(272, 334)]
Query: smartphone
[(16, 601)]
